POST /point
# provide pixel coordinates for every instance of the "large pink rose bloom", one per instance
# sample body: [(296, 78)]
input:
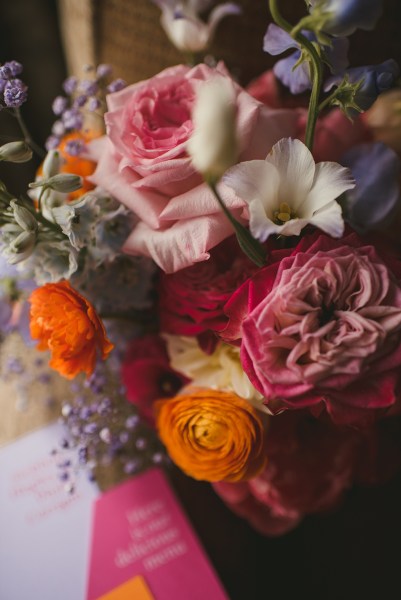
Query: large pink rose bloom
[(142, 161), (323, 326)]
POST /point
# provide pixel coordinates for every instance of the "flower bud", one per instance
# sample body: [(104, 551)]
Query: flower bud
[(23, 217), (51, 164), (62, 182), (16, 152), (213, 145)]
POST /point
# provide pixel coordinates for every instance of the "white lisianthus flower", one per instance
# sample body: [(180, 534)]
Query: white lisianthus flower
[(213, 144), (180, 20), (221, 370), (288, 191)]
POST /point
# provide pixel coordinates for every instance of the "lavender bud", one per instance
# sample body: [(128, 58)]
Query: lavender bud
[(72, 119), (94, 104), (131, 467), (58, 128), (15, 67), (59, 105), (89, 87), (103, 70), (5, 71), (105, 435), (52, 142), (69, 85), (132, 422), (16, 152), (75, 147), (116, 86), (80, 101), (15, 93), (141, 443)]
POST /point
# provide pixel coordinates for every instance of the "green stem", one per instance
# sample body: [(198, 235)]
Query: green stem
[(316, 74), (251, 247), (27, 136)]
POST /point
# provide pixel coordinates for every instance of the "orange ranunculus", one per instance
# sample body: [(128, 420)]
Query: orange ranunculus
[(65, 323), (212, 435), (76, 164)]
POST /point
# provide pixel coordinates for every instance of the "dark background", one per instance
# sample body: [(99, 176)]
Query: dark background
[(353, 553)]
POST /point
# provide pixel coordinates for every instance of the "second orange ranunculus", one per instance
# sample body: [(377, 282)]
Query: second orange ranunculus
[(212, 435), (65, 323)]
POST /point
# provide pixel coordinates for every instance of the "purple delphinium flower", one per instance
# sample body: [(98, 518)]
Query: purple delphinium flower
[(297, 78), (15, 93), (376, 197), (376, 80), (345, 16)]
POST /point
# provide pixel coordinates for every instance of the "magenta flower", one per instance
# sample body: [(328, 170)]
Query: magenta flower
[(323, 327)]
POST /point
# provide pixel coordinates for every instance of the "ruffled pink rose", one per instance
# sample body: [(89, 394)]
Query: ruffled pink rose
[(310, 466), (143, 163), (322, 326)]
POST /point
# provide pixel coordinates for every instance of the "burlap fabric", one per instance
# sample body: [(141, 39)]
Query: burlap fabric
[(127, 34)]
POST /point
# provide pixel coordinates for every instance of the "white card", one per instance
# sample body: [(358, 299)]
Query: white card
[(45, 532)]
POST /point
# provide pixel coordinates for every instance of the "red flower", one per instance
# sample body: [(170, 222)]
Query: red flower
[(192, 300), (147, 374)]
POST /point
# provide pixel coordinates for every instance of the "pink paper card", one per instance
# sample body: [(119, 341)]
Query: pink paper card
[(143, 547)]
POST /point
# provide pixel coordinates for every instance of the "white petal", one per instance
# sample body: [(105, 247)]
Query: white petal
[(331, 180), (255, 179), (296, 168), (329, 219), (260, 225)]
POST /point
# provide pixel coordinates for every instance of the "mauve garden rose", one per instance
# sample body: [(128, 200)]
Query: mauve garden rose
[(310, 466), (142, 161), (322, 327), (147, 375), (193, 299)]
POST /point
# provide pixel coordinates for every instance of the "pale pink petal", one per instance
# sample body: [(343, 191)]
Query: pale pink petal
[(182, 244), (199, 201)]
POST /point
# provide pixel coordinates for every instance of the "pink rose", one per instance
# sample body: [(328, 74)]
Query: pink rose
[(143, 163), (323, 325), (310, 466)]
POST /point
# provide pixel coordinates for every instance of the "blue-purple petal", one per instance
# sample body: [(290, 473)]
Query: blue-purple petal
[(277, 41), (376, 197)]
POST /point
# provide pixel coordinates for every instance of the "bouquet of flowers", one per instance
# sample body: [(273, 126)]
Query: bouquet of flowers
[(222, 265)]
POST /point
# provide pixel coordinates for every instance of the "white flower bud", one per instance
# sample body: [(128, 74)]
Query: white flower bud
[(16, 152), (24, 218), (51, 164), (213, 145), (62, 182)]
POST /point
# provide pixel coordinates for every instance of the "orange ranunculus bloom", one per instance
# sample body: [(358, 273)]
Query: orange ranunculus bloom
[(76, 164), (212, 435), (65, 323)]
